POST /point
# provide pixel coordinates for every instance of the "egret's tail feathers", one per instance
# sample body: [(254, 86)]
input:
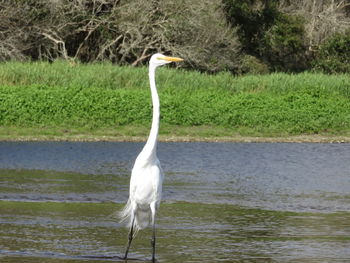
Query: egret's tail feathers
[(142, 217), (125, 214)]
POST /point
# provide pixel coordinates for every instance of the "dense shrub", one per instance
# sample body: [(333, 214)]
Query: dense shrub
[(283, 44), (322, 18), (334, 55), (123, 32), (275, 38), (212, 35), (253, 19), (252, 65)]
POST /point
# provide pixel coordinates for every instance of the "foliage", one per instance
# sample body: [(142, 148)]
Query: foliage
[(334, 54), (123, 32), (212, 35), (322, 18), (253, 19), (283, 44), (268, 34), (252, 65), (268, 104)]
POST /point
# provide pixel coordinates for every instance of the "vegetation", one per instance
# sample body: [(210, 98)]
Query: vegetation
[(105, 97), (240, 36), (59, 73), (123, 32), (268, 34), (334, 54)]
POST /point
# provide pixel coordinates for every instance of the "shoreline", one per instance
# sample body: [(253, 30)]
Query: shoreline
[(170, 138), (167, 133)]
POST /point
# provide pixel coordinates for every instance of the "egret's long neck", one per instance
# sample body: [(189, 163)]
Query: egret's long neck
[(150, 148)]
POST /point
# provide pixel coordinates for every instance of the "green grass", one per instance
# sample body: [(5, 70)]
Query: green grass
[(102, 98)]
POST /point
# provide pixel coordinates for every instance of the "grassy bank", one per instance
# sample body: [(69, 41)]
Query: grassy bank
[(41, 99)]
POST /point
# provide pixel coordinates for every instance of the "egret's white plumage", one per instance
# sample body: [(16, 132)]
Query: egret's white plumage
[(146, 176)]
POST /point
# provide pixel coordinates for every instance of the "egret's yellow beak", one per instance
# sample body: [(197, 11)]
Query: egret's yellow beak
[(172, 59)]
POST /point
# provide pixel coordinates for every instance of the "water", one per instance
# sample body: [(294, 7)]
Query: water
[(222, 202)]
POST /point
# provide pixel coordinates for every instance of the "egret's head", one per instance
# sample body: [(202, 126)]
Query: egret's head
[(160, 60)]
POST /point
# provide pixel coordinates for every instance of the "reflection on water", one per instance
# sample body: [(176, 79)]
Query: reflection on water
[(223, 202)]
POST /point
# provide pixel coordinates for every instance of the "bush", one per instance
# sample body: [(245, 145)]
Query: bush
[(253, 18), (284, 47), (253, 65), (334, 55), (123, 32), (272, 37)]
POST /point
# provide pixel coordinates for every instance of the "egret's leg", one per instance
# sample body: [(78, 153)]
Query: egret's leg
[(154, 244), (153, 241), (131, 235)]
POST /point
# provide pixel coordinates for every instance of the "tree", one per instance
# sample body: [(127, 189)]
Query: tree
[(333, 55), (268, 34), (121, 31), (253, 18), (322, 18)]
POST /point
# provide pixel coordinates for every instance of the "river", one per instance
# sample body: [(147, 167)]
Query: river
[(222, 202)]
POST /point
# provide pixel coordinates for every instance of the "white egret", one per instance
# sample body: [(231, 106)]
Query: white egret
[(146, 176)]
